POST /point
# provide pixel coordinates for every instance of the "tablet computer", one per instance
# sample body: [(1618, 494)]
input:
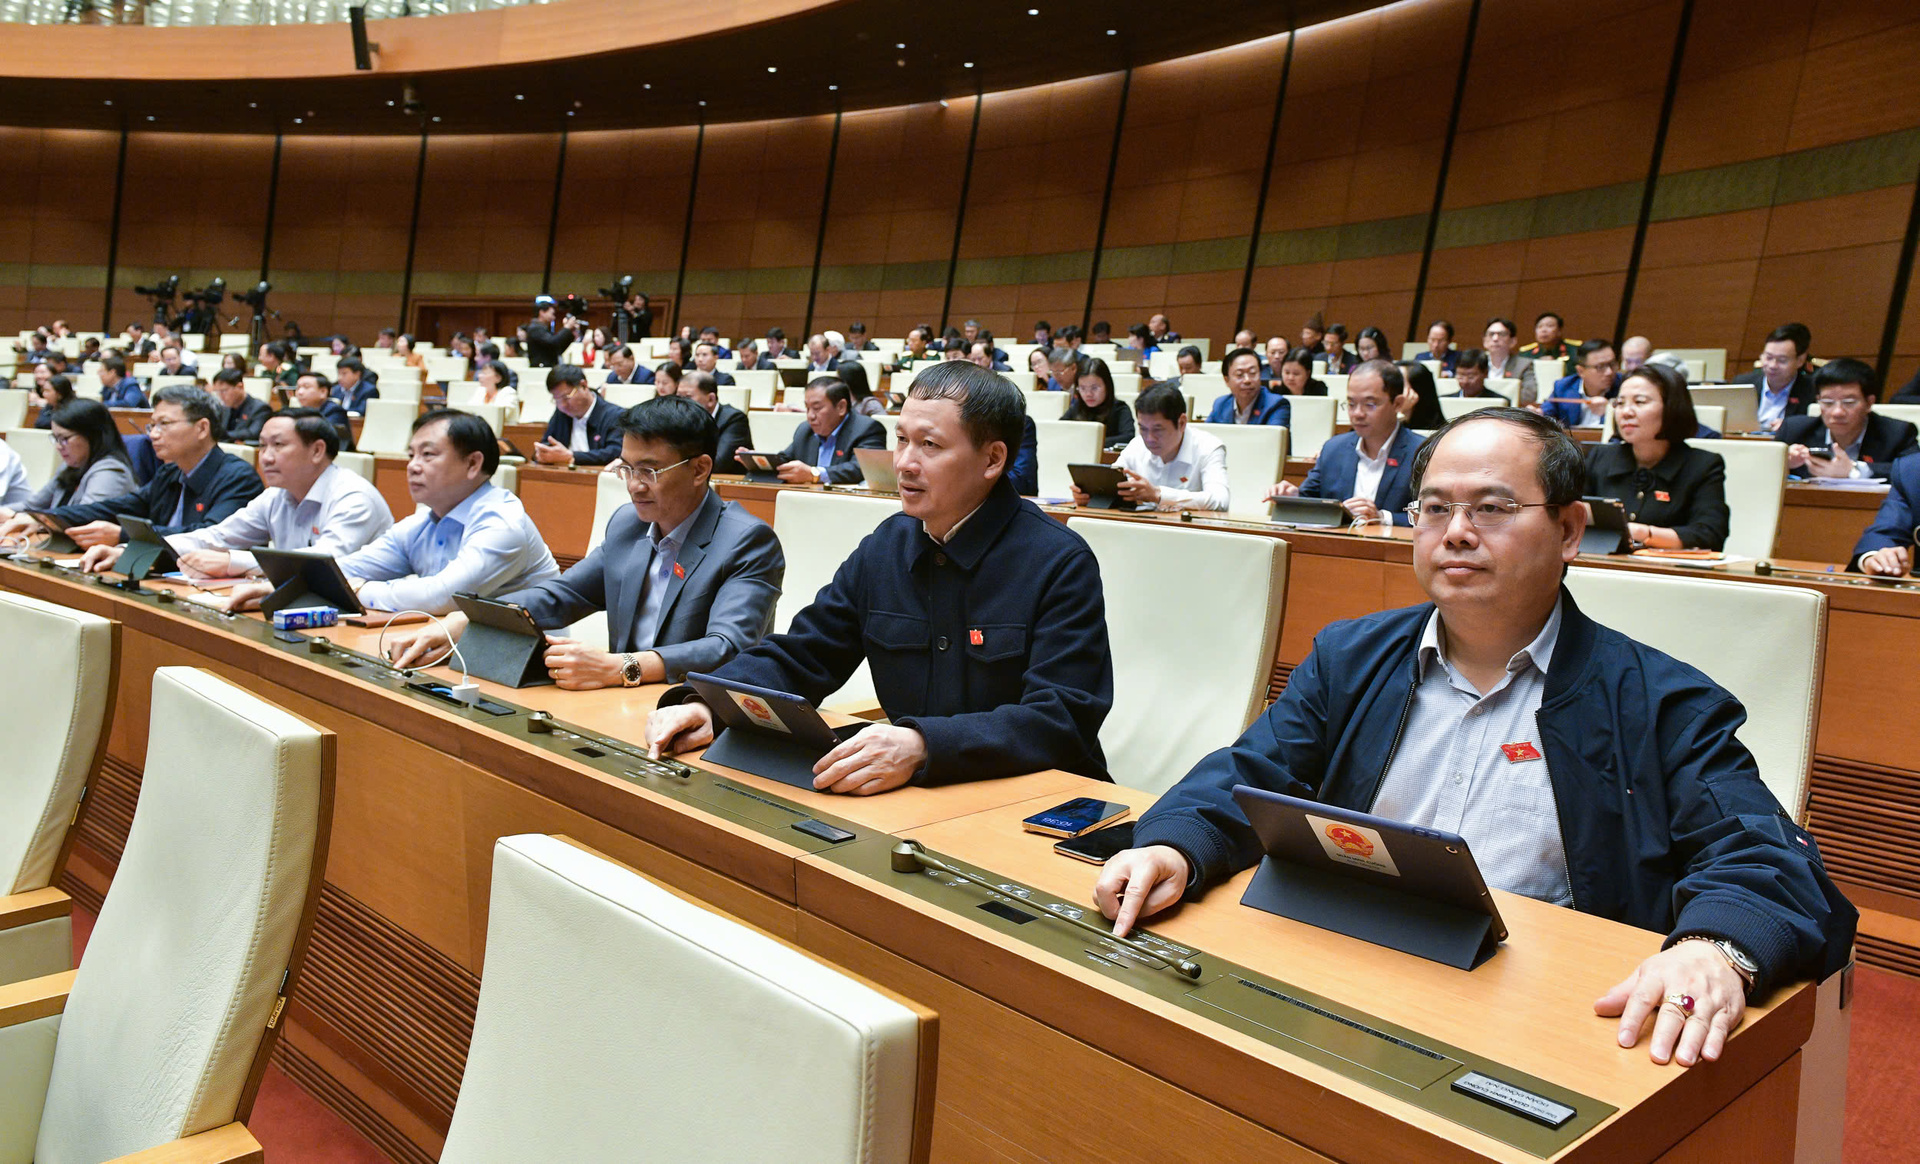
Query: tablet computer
[(763, 467), (1310, 512), (1384, 881), (1607, 531), (770, 733), (146, 550), (502, 643), (57, 541), (304, 577), (1101, 484), (876, 465)]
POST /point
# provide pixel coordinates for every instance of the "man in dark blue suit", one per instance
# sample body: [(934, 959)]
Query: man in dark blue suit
[(823, 444), (1859, 442), (706, 357), (1369, 470), (352, 387), (1581, 399), (585, 428), (747, 357), (626, 368), (687, 580), (1246, 402), (117, 389), (1887, 546)]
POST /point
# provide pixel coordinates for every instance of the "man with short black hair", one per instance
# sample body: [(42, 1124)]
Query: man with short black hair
[(1549, 340), (245, 416), (711, 335), (687, 580), (1370, 469), (311, 390), (747, 357), (117, 389), (857, 338), (352, 387), (1581, 398), (548, 338), (706, 357), (1782, 381), (982, 618), (1440, 351), (1246, 400), (1100, 333), (980, 352), (584, 427), (198, 483), (823, 444), (1170, 465), (309, 504), (174, 362), (1504, 363), (1583, 768), (471, 536), (626, 368), (279, 362), (1470, 374), (777, 348), (735, 432), (1847, 438)]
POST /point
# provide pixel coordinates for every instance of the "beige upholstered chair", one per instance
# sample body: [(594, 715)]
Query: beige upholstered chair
[(1063, 443), (497, 416), (163, 1033), (819, 531), (507, 476), (761, 385), (1756, 487), (772, 431), (402, 387), (1310, 427), (62, 676), (13, 407), (620, 1021), (387, 425), (536, 403), (247, 453), (1455, 407), (628, 395), (609, 497), (1179, 696), (738, 395), (1256, 458), (359, 464), (37, 454)]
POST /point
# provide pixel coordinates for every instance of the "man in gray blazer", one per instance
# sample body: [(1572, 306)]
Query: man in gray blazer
[(687, 580)]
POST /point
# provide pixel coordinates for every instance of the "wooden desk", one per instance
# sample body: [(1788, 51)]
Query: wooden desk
[(1042, 1057)]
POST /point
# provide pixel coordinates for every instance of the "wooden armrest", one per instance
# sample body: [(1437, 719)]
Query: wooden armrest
[(35, 998), (230, 1144), (34, 905)]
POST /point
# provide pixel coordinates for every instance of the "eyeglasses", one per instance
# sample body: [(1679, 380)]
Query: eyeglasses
[(60, 439), (631, 473), (1487, 513), (1842, 404), (154, 426)]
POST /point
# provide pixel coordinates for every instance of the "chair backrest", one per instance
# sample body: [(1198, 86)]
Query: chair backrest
[(507, 476), (1021, 379), (494, 414), (387, 425), (247, 453), (761, 384), (1509, 387), (891, 422), (1756, 487), (37, 454), (1713, 361), (1742, 402), (404, 389), (1714, 416), (464, 392), (609, 497), (1310, 427), (1907, 412), (1203, 388), (327, 364), (1545, 372), (13, 407), (359, 464), (258, 387), (536, 407), (738, 395), (1455, 407), (1709, 623), (628, 395), (62, 668), (446, 368), (1063, 443), (817, 532), (165, 1034), (1256, 458), (1158, 728), (773, 431), (619, 1019)]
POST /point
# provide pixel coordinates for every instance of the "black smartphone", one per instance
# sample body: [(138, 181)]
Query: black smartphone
[(1080, 815), (1098, 846), (444, 692), (1821, 452)]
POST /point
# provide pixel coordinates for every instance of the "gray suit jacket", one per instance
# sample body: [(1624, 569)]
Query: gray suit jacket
[(719, 605), (1520, 368)]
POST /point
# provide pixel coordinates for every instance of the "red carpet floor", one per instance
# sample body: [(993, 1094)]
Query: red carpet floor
[(1883, 1089)]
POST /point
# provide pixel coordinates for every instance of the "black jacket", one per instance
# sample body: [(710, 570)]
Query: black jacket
[(1119, 421), (1799, 394), (244, 423), (547, 346), (1665, 821), (993, 647), (334, 412), (735, 434), (221, 483), (1686, 491), (603, 432), (859, 432), (1885, 441)]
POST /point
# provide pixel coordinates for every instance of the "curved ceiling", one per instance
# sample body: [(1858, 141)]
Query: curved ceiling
[(602, 64)]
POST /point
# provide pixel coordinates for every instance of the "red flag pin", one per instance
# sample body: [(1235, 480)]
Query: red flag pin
[(679, 571), (1661, 495), (1515, 753), (976, 638)]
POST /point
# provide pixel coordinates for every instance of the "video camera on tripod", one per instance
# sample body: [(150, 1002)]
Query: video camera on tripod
[(622, 322), (163, 294), (199, 315)]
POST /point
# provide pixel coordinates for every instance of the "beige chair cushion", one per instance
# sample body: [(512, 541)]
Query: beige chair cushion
[(620, 1022), (772, 431), (497, 416), (761, 384), (1762, 643), (1181, 693), (1256, 458), (388, 425), (817, 532), (1311, 425), (1756, 486), (35, 446), (1455, 407), (180, 975), (359, 464), (13, 407), (59, 673), (1062, 443), (609, 497)]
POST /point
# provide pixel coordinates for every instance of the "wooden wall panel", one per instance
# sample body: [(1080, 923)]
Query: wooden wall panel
[(56, 214), (343, 208), (623, 208), (485, 203)]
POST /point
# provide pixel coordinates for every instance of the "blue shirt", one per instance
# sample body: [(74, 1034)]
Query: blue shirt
[(126, 394), (486, 545), (1773, 405), (824, 460)]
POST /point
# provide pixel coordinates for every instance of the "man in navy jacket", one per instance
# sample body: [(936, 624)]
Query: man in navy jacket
[(1379, 439), (1887, 546), (1245, 397), (982, 618), (585, 426), (1623, 791)]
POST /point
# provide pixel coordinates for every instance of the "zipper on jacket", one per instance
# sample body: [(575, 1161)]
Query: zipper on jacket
[(1406, 711), (1566, 869)]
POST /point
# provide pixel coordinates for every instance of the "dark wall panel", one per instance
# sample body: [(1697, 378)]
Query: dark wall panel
[(623, 210), (485, 204), (339, 256), (56, 214)]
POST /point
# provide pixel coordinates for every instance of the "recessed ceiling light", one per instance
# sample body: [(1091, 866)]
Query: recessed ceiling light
[(149, 117), (570, 113), (253, 105), (389, 105), (296, 120), (519, 96), (703, 105), (109, 102), (648, 85), (436, 117), (832, 88), (968, 65), (1113, 32), (1033, 12), (772, 69), (900, 46)]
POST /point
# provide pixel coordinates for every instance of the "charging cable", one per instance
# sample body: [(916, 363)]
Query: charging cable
[(467, 691)]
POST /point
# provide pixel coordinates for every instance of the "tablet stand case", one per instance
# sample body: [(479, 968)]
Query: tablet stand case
[(1604, 541), (765, 754), (291, 593), (1406, 922), (139, 559), (504, 657)]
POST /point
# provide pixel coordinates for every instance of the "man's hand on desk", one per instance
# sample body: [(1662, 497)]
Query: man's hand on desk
[(1138, 489), (18, 527), (879, 759), (428, 643), (1891, 561), (100, 559), (797, 473), (95, 533), (1139, 883), (552, 452), (1362, 508), (206, 563), (247, 595), (680, 728), (578, 667), (1282, 489), (1694, 969)]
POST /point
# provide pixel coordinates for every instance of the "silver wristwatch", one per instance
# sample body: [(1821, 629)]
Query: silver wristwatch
[(629, 671), (1743, 965)]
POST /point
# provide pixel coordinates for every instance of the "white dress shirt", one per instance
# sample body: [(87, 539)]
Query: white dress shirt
[(341, 513), (14, 487), (486, 545), (1368, 470), (1196, 478)]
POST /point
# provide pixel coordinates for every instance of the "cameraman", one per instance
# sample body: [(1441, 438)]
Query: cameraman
[(547, 342)]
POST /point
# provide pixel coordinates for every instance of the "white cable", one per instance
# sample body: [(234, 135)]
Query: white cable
[(453, 648)]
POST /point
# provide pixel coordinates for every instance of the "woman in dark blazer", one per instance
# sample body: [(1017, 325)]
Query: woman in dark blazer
[(1676, 496), (1093, 399)]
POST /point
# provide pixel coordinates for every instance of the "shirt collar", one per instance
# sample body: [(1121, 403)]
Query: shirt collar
[(966, 543), (463, 512), (1183, 455), (1386, 447), (187, 475), (1539, 652), (678, 534), (323, 487)]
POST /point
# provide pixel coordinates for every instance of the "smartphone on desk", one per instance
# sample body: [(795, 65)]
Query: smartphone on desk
[(1071, 818), (1099, 846)]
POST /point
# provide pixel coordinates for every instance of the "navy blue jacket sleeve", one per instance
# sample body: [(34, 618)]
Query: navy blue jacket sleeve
[(235, 484), (822, 648), (1024, 472), (1893, 525)]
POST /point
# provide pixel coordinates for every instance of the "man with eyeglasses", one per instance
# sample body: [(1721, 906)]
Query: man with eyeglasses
[(1581, 398), (198, 483), (687, 580), (1847, 438), (1504, 363), (585, 426), (1782, 381), (1583, 768), (1369, 470)]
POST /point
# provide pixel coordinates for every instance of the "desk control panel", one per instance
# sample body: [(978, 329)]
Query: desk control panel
[(1495, 1100)]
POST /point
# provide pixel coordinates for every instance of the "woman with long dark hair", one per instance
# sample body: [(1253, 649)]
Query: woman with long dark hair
[(95, 465), (1093, 399), (855, 377), (1419, 403)]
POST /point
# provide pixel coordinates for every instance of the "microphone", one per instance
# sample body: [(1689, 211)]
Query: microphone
[(909, 857)]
